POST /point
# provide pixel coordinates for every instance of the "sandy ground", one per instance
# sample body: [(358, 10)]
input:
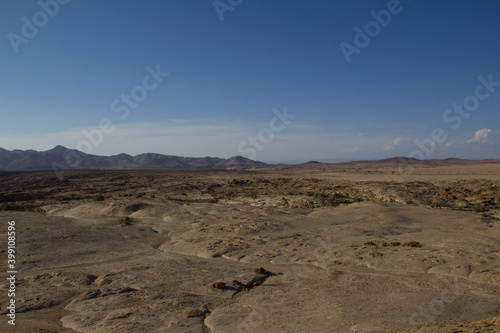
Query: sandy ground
[(341, 252)]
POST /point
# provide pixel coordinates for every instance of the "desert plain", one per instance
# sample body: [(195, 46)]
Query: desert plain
[(357, 247)]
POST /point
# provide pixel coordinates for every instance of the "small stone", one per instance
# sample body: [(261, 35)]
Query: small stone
[(219, 285), (386, 244), (412, 244), (262, 270), (333, 275)]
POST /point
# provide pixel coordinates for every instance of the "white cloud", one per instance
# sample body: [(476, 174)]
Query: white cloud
[(389, 147), (449, 144), (486, 136)]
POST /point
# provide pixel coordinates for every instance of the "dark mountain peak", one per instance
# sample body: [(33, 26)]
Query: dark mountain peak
[(240, 161), (122, 155), (399, 159), (58, 149)]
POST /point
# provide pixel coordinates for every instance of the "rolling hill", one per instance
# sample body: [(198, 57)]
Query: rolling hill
[(61, 158)]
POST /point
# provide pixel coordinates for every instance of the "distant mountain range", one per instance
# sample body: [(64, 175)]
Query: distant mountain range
[(61, 158), (395, 162)]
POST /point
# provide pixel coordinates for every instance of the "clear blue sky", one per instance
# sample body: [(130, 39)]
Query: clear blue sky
[(226, 76)]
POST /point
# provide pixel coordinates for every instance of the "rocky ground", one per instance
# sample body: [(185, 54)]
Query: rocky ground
[(276, 250)]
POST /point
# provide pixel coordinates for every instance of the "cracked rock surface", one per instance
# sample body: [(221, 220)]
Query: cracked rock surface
[(330, 263)]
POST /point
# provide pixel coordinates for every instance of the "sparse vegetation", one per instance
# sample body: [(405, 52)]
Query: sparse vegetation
[(390, 244), (412, 244), (474, 208), (253, 194), (478, 208), (334, 199), (98, 197), (25, 207), (441, 204), (212, 200), (126, 220), (425, 197)]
